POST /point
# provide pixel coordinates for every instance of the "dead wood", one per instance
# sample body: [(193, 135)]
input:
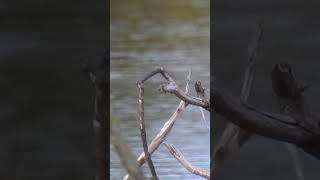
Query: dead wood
[(186, 99)]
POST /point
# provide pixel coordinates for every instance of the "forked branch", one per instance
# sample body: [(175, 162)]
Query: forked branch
[(233, 137), (167, 127), (177, 154), (172, 87)]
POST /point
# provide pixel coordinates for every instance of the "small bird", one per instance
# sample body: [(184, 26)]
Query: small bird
[(282, 80), (201, 94), (199, 89), (284, 83)]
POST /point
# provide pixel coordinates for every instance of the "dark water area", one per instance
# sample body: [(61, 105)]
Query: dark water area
[(291, 34), (46, 104)]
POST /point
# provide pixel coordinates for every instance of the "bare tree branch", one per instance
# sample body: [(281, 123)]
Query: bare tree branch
[(188, 81), (164, 132), (201, 94), (233, 137), (166, 129), (143, 131), (185, 163), (162, 135), (253, 48), (294, 125), (287, 101), (230, 142), (172, 87), (277, 126)]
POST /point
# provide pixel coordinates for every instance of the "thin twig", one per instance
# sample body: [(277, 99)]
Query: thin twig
[(201, 94), (143, 131), (177, 154), (252, 51), (156, 71), (234, 137), (188, 81)]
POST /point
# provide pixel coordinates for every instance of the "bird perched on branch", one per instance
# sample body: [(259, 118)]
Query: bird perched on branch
[(284, 83), (199, 89)]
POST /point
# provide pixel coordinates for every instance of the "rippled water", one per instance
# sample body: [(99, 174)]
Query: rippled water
[(160, 33)]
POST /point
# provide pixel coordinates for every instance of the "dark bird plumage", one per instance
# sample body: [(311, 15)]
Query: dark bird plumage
[(283, 82)]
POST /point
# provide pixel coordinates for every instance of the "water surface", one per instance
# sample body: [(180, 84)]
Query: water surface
[(160, 33)]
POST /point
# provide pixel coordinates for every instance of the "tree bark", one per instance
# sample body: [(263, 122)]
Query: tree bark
[(295, 125)]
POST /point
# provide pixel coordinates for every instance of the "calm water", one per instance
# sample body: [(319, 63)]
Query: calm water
[(160, 33)]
